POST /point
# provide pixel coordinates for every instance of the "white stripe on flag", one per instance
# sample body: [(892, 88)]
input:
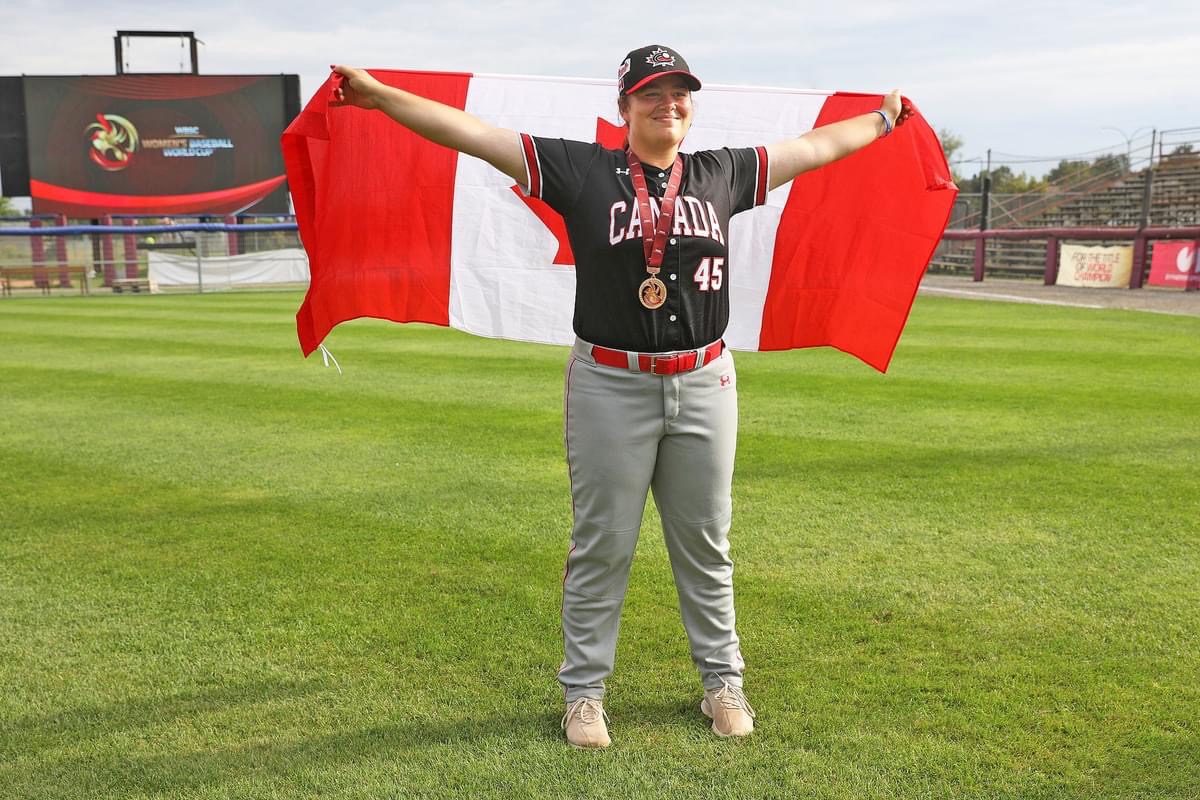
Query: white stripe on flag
[(727, 116)]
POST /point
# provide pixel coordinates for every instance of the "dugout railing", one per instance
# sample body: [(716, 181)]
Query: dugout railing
[(1053, 238)]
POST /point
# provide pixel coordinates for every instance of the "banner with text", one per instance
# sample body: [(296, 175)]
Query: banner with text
[(1097, 267), (1175, 265)]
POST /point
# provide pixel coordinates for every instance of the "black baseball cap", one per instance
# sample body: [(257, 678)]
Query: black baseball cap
[(647, 63)]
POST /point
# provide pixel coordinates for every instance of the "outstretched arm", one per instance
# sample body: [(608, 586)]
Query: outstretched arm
[(439, 123), (827, 144)]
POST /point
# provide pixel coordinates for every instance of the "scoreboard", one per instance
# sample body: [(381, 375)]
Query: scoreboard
[(148, 144)]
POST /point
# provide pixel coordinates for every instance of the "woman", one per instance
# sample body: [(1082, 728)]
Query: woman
[(650, 399)]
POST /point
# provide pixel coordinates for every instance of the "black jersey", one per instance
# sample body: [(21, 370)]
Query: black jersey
[(590, 186)]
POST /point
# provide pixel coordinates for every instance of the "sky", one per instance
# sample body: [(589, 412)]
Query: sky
[(1025, 80)]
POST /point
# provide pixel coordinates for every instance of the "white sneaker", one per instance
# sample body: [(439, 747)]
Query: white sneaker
[(729, 710), (584, 723)]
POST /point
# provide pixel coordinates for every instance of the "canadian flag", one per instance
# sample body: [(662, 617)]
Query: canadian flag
[(402, 229)]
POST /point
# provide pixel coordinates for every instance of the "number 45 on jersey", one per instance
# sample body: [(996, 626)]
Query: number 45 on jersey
[(709, 274)]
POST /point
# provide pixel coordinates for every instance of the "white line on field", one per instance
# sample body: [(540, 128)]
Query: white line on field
[(1011, 297)]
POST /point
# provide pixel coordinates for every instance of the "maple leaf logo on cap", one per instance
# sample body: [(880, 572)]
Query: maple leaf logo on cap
[(661, 58)]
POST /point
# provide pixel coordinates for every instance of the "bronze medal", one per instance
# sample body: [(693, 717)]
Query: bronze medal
[(652, 293)]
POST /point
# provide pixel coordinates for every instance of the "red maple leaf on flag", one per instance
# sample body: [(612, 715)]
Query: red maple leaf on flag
[(607, 135)]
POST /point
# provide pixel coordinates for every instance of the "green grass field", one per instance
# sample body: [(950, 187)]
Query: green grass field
[(229, 572)]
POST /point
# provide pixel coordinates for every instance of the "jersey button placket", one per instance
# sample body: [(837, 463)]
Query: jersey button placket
[(677, 330), (670, 337), (677, 297), (674, 334)]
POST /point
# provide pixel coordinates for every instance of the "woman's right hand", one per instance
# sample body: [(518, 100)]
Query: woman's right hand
[(439, 123), (357, 88)]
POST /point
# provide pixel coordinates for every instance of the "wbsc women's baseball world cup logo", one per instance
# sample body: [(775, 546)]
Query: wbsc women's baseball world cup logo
[(113, 141)]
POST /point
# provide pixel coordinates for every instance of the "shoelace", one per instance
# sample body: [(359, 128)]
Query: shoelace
[(589, 709), (731, 697)]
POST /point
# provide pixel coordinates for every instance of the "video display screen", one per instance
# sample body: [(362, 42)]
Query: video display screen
[(157, 144)]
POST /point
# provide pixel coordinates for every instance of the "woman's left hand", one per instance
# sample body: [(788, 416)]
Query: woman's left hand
[(897, 110)]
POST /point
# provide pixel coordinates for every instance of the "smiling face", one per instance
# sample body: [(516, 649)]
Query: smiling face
[(659, 114)]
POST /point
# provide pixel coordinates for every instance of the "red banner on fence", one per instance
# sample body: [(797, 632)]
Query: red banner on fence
[(1175, 265)]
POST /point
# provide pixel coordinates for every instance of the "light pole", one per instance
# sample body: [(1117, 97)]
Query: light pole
[(1128, 142)]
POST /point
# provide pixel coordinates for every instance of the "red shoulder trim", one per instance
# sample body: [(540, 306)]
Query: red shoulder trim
[(760, 185), (532, 168)]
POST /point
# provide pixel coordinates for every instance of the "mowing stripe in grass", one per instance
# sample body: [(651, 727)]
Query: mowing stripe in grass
[(226, 571)]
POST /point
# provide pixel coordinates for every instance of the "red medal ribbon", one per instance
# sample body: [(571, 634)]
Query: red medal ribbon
[(655, 243)]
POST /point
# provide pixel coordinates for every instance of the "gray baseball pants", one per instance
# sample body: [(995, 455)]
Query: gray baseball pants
[(626, 433)]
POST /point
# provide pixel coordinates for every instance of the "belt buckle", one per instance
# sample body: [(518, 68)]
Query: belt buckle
[(668, 362)]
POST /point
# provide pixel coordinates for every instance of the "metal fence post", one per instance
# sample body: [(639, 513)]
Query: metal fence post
[(131, 252), (981, 242), (980, 245), (1139, 260), (1050, 276), (232, 246), (1139, 241), (199, 265), (37, 257), (107, 256), (97, 243), (60, 254), (1147, 194)]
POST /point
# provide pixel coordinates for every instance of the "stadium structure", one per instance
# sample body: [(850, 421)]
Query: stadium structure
[(153, 181)]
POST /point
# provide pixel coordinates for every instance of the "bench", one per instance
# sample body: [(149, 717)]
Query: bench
[(134, 285), (44, 277)]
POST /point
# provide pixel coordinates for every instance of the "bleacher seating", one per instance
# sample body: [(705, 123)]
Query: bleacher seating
[(1109, 201)]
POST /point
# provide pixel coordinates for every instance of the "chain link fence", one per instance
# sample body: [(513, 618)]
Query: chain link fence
[(50, 255)]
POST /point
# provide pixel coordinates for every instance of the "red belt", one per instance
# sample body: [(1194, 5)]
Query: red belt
[(659, 364)]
